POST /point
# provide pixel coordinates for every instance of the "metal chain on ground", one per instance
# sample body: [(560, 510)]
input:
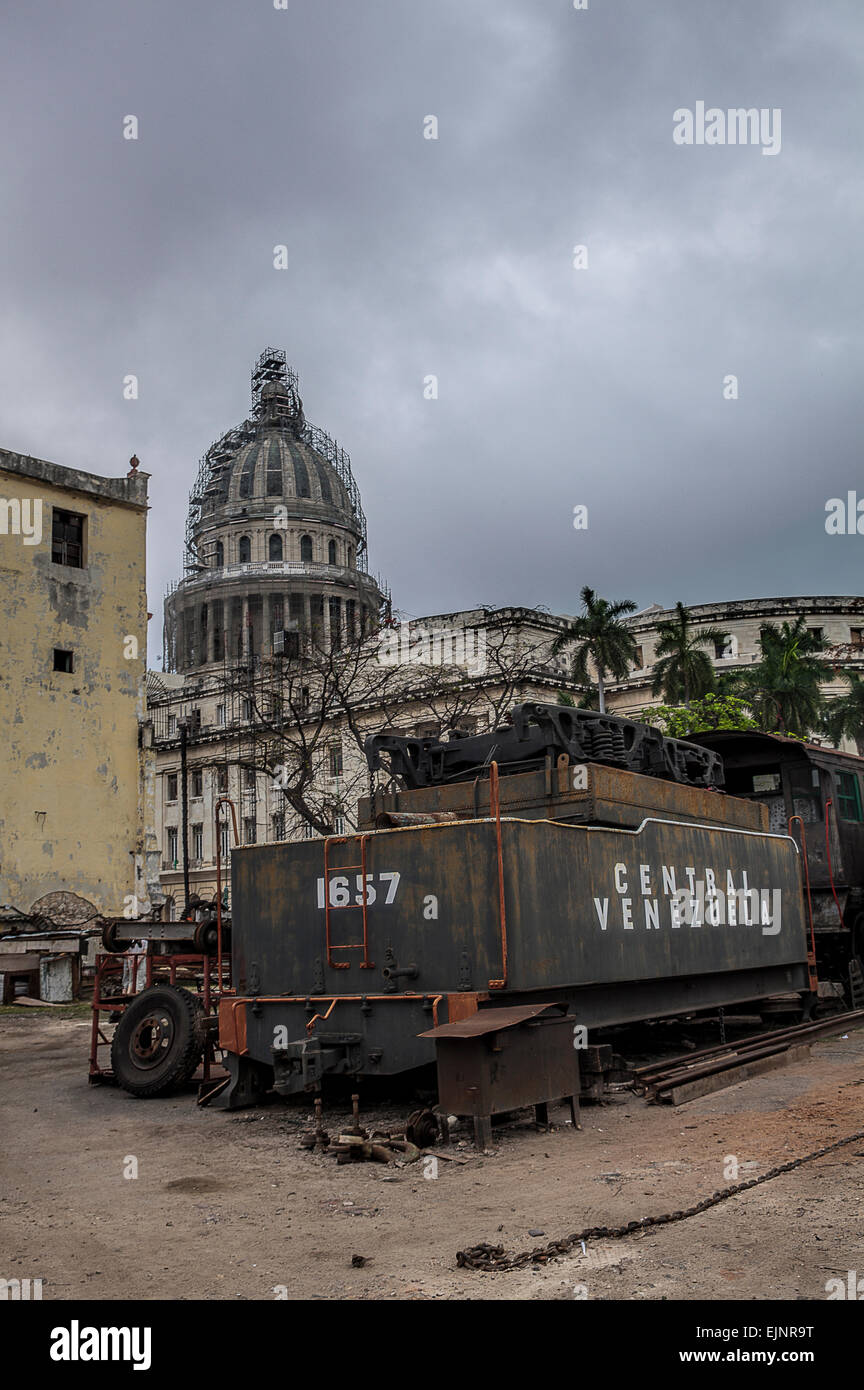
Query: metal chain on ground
[(494, 1258)]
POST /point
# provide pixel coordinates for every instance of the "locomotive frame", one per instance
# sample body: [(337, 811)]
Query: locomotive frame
[(818, 793)]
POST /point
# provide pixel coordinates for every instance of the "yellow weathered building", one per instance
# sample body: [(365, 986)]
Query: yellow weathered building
[(73, 642)]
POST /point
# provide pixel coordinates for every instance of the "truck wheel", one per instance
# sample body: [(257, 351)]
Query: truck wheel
[(159, 1040), (206, 937), (109, 938)]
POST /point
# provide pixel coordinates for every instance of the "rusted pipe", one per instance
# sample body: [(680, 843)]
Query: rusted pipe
[(315, 1017), (811, 955), (495, 808), (828, 804)]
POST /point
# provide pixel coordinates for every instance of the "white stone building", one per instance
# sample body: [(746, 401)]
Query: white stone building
[(838, 620)]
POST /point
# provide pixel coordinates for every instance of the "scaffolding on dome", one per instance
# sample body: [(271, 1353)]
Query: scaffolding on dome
[(212, 477), (272, 365)]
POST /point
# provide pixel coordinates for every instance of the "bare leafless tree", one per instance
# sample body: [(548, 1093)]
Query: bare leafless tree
[(301, 705)]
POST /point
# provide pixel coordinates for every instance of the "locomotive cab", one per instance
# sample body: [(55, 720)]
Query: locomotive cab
[(824, 788)]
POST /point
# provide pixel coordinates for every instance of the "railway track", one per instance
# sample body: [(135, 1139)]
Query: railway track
[(670, 1080)]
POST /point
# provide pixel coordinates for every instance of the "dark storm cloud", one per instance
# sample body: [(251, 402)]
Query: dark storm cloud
[(411, 257)]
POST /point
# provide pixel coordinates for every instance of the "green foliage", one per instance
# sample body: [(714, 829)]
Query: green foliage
[(844, 716), (784, 690), (683, 670), (589, 698), (711, 712), (599, 638)]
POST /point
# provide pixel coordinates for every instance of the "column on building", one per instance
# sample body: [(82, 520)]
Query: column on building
[(244, 636), (256, 624), (336, 624), (203, 634), (317, 611), (218, 629), (325, 614)]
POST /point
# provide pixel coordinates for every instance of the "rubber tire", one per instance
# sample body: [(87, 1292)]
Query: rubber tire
[(180, 1057)]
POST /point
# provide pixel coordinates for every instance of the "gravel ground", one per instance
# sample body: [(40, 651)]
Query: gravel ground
[(227, 1206)]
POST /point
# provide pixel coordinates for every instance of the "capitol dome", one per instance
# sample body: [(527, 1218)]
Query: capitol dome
[(278, 462), (275, 537)]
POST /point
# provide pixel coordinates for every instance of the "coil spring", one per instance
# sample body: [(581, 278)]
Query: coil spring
[(619, 750), (601, 744)]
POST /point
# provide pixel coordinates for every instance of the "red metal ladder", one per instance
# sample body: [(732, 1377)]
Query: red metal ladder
[(366, 963)]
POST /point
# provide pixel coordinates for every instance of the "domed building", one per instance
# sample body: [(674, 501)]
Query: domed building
[(275, 566), (275, 539)]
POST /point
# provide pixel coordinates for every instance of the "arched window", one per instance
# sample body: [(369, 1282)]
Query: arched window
[(275, 548), (244, 550), (305, 547), (220, 555), (248, 475), (331, 553), (323, 481), (301, 473), (274, 469)]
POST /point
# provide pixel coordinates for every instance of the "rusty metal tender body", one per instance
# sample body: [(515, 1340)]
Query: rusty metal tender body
[(568, 885)]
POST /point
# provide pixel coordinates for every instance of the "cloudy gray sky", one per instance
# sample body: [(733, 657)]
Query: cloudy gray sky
[(409, 257)]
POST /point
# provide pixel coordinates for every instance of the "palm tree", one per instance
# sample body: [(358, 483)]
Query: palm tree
[(685, 671), (728, 683), (784, 690), (601, 639), (844, 716)]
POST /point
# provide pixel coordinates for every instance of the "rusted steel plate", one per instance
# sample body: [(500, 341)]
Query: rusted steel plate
[(527, 1066), (232, 1025), (487, 1021), (388, 820), (586, 792)]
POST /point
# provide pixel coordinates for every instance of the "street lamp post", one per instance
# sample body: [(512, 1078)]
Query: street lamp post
[(183, 726)]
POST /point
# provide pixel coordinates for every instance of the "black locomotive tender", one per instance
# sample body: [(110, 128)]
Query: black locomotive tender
[(508, 895), (568, 869)]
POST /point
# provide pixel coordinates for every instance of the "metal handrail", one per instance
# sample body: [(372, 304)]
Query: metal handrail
[(223, 801)]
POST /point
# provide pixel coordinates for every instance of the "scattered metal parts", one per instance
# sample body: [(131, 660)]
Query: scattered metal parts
[(422, 1128), (355, 1144), (316, 1138), (356, 1128), (410, 1152), (351, 1148), (322, 1139)]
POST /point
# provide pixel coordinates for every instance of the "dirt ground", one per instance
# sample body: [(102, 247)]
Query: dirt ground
[(227, 1206)]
